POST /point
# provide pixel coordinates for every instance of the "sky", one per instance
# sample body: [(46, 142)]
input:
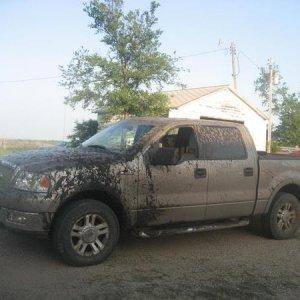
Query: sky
[(38, 36)]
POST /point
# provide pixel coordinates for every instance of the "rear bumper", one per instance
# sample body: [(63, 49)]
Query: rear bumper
[(24, 221)]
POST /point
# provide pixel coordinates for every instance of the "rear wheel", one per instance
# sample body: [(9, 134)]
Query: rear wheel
[(85, 233), (281, 222)]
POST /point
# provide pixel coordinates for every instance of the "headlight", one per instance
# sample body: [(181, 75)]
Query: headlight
[(33, 182)]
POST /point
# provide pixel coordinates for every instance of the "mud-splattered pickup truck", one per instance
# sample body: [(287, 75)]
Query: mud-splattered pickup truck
[(150, 176)]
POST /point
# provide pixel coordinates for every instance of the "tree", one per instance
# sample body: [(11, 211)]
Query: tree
[(120, 83), (288, 130), (83, 131), (286, 107), (262, 87)]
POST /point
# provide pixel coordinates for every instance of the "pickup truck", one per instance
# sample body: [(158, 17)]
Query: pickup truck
[(150, 176)]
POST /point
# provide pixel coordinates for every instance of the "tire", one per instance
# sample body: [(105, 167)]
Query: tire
[(85, 233), (281, 221)]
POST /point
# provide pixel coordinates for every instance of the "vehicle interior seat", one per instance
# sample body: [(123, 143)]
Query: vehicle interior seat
[(186, 145)]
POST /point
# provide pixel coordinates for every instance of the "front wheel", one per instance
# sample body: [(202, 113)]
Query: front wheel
[(281, 222), (85, 232)]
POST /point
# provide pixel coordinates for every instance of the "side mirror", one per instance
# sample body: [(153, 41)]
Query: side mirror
[(161, 156)]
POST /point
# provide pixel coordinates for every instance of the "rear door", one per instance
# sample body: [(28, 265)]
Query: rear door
[(231, 171)]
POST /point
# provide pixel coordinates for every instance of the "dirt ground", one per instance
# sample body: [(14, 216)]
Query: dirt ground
[(222, 264)]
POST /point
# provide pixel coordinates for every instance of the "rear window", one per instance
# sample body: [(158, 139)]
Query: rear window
[(221, 143)]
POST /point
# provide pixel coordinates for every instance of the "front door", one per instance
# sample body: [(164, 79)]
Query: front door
[(173, 181)]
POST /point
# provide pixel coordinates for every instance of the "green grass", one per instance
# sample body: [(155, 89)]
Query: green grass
[(15, 146)]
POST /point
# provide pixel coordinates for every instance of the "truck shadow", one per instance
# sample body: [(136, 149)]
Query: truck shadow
[(218, 264), (39, 249)]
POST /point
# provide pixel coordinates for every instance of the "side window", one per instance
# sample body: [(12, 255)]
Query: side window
[(177, 145), (221, 143)]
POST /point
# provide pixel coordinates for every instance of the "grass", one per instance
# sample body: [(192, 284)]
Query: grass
[(13, 146)]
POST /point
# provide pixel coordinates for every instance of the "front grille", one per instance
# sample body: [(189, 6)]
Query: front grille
[(6, 175)]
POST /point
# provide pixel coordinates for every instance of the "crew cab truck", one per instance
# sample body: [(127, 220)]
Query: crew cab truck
[(151, 176)]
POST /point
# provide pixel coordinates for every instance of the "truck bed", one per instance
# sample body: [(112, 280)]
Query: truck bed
[(275, 172), (266, 156)]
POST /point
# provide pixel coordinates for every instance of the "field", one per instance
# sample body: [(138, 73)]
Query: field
[(8, 146)]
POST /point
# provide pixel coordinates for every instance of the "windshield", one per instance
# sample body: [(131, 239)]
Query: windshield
[(118, 137)]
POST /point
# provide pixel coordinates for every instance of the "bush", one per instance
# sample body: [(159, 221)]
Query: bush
[(83, 131), (275, 147)]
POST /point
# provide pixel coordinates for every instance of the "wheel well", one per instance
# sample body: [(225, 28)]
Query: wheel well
[(102, 196), (293, 189)]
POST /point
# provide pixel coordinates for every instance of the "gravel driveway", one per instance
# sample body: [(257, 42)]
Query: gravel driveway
[(221, 264)]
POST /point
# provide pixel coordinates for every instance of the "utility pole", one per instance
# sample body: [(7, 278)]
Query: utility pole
[(233, 57), (270, 106), (183, 86)]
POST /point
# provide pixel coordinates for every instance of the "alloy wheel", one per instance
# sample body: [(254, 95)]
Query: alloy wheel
[(89, 235), (286, 217)]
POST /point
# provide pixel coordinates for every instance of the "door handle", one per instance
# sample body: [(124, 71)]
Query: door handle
[(200, 173), (248, 172)]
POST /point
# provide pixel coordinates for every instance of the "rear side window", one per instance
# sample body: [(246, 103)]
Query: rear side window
[(221, 143)]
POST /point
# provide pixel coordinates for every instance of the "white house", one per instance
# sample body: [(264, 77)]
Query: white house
[(219, 102)]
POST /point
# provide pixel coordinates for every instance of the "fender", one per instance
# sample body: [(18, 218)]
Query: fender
[(278, 188), (110, 197), (75, 191)]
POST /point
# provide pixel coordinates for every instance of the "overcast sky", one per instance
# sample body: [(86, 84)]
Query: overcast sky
[(38, 36)]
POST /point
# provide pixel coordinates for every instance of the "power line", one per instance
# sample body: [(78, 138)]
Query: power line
[(203, 53), (55, 77), (29, 79), (184, 56), (250, 60)]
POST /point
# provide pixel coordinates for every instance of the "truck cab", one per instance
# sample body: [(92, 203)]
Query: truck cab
[(200, 171)]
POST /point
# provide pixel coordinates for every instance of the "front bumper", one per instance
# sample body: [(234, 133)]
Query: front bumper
[(25, 210), (26, 201), (24, 221)]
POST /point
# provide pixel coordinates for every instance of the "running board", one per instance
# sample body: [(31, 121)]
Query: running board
[(150, 233)]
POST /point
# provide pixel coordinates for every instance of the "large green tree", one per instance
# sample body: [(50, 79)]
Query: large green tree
[(288, 130), (127, 81)]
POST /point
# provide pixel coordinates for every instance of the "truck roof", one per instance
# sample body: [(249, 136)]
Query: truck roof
[(164, 121)]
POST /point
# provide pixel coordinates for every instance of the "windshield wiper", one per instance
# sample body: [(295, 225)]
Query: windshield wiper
[(97, 146)]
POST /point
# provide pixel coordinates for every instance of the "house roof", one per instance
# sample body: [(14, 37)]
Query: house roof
[(178, 98)]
